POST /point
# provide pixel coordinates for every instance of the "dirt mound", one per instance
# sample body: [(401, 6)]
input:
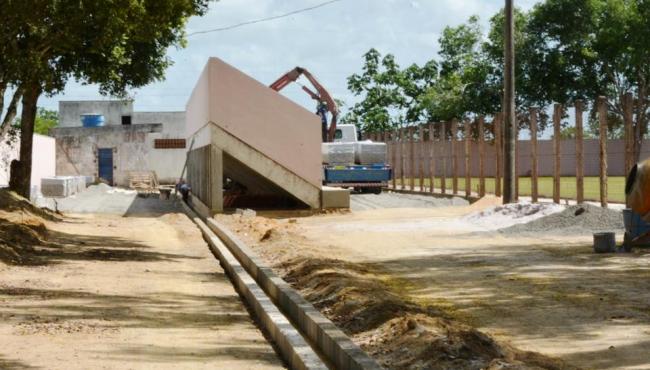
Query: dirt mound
[(17, 241), (12, 204), (399, 334), (583, 219), (22, 227)]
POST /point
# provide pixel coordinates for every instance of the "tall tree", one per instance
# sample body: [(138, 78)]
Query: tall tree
[(391, 96), (587, 48), (466, 83), (115, 44)]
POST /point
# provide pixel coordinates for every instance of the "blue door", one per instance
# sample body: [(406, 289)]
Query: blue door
[(105, 163)]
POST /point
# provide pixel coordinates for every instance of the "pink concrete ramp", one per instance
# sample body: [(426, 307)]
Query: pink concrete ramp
[(249, 116)]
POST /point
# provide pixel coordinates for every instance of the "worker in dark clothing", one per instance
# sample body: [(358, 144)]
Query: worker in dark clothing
[(321, 110), (185, 189)]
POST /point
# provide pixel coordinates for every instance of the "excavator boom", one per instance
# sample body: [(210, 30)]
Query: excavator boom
[(321, 95)]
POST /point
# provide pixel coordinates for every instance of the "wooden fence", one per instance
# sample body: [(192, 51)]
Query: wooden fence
[(433, 152)]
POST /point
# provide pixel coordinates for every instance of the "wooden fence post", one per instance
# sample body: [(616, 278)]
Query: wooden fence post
[(443, 149), (602, 118), (454, 156), (412, 158), (402, 157), (421, 156), (628, 116), (516, 179), (432, 158), (557, 116), (580, 157), (481, 155), (534, 190), (498, 150), (393, 155), (468, 142)]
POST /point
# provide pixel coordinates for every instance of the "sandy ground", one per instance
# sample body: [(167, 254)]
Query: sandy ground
[(126, 293), (543, 293)]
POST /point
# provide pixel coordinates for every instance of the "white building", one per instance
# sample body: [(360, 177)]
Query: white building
[(127, 143), (43, 159)]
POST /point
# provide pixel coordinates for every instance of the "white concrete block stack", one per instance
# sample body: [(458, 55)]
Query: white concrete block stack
[(367, 152), (338, 153), (62, 186)]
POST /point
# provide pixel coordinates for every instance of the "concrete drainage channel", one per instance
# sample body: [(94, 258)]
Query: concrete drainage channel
[(306, 339)]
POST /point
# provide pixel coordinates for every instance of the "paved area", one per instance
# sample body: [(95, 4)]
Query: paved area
[(126, 293), (361, 202)]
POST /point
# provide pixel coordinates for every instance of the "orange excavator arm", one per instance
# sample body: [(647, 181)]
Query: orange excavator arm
[(322, 96)]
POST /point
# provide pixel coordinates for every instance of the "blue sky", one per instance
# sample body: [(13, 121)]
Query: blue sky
[(328, 41)]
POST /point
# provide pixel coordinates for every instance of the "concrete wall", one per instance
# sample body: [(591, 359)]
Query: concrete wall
[(43, 159), (167, 163), (76, 150), (262, 118), (615, 157), (70, 111), (198, 112)]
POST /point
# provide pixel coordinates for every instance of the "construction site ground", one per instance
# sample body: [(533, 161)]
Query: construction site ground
[(422, 282), (140, 291)]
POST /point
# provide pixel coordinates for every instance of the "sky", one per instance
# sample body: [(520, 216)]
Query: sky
[(329, 41)]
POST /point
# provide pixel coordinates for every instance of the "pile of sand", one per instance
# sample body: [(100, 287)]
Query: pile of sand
[(22, 227), (362, 302), (583, 219)]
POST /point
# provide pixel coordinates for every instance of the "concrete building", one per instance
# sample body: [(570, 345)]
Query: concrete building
[(127, 143), (253, 146), (43, 160)]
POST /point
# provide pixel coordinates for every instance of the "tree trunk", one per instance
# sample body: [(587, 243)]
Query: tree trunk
[(10, 114), (21, 176)]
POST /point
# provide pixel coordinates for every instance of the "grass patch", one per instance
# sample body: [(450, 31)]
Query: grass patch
[(615, 187)]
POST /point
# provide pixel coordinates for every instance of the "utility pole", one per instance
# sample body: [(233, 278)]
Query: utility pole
[(509, 117)]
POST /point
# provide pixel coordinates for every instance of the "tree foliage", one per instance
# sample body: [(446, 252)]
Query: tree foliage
[(46, 119), (115, 44), (391, 95), (565, 50)]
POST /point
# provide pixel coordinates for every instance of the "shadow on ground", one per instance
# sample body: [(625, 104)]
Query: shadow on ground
[(152, 206), (7, 364), (53, 247), (42, 307), (562, 293)]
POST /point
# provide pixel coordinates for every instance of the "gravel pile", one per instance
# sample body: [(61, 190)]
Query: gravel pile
[(361, 202), (578, 219), (502, 216)]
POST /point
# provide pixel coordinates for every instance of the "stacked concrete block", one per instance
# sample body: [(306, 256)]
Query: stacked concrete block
[(53, 187), (367, 152), (62, 186), (338, 153)]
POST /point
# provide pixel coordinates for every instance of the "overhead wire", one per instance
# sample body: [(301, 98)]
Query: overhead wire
[(266, 19)]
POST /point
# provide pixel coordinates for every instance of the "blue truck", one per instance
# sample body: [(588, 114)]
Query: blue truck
[(362, 177)]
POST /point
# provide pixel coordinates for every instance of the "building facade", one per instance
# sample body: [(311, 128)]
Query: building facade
[(129, 142), (43, 160)]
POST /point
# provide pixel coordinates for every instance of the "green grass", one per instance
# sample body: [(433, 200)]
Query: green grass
[(615, 185)]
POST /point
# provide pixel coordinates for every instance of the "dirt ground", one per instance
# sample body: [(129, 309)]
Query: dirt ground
[(409, 283), (111, 292)]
